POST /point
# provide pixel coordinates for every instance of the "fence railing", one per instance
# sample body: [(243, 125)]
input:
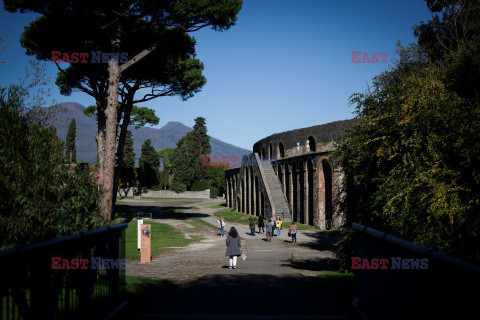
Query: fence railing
[(415, 282), (75, 277)]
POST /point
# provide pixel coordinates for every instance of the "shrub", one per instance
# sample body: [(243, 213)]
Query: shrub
[(40, 198), (213, 192), (201, 185)]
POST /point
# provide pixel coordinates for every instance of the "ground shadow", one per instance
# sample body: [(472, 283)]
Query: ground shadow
[(245, 293)]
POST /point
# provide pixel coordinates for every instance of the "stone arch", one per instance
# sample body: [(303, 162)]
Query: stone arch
[(252, 192), (262, 204), (281, 150), (263, 156), (310, 190), (294, 203), (328, 179), (257, 197), (311, 144), (242, 189), (301, 191), (287, 183), (247, 190)]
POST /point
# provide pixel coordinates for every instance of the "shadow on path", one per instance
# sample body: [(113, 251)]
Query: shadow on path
[(254, 294)]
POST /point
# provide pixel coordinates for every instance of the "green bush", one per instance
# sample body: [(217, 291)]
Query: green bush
[(201, 185), (213, 192), (40, 198), (178, 187)]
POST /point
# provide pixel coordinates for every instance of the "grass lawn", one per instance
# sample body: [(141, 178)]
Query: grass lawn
[(219, 206), (164, 237), (233, 216)]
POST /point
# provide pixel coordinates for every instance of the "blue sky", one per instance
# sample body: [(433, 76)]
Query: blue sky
[(285, 64)]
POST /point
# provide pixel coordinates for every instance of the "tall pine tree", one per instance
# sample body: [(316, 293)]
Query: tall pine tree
[(70, 147), (148, 165), (127, 173), (187, 158)]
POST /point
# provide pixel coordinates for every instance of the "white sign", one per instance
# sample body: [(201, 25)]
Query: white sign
[(139, 233)]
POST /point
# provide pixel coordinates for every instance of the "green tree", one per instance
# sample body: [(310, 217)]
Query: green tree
[(40, 198), (148, 165), (150, 32), (70, 147), (412, 162), (186, 159), (128, 172)]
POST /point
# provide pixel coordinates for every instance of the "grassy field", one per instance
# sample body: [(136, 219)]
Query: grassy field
[(164, 237)]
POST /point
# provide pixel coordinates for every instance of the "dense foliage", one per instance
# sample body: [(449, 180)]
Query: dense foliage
[(412, 164), (40, 198), (148, 165), (70, 147)]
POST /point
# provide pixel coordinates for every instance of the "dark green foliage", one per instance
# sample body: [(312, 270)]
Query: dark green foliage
[(186, 158), (201, 185), (217, 177), (70, 146), (165, 156), (213, 192), (39, 197), (128, 172), (412, 165), (148, 165), (177, 186)]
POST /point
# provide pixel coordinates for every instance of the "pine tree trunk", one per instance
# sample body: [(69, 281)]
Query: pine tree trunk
[(107, 165)]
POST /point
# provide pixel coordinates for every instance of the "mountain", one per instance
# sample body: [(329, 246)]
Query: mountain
[(165, 137)]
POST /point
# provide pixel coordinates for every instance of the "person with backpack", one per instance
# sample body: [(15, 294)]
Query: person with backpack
[(270, 227), (293, 232), (261, 224), (252, 225)]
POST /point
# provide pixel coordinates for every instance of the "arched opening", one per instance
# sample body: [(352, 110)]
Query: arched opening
[(310, 193), (229, 190), (262, 204), (263, 154), (252, 201), (327, 174), (280, 175), (238, 204), (311, 144), (281, 150), (257, 200), (270, 152), (287, 183), (242, 187), (247, 193), (301, 187), (294, 202)]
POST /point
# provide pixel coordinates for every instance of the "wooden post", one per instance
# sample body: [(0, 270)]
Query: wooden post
[(145, 252)]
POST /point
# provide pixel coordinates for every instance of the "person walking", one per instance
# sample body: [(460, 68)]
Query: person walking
[(270, 226), (278, 225), (234, 247), (261, 224), (222, 227), (252, 225), (293, 232)]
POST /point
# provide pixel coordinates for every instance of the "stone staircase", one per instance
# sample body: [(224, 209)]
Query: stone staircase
[(275, 193)]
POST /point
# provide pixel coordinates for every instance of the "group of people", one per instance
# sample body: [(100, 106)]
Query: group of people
[(234, 245)]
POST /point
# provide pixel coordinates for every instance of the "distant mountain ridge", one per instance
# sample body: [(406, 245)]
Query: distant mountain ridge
[(165, 137)]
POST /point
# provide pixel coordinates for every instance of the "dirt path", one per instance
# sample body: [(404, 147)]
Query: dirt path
[(198, 275)]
